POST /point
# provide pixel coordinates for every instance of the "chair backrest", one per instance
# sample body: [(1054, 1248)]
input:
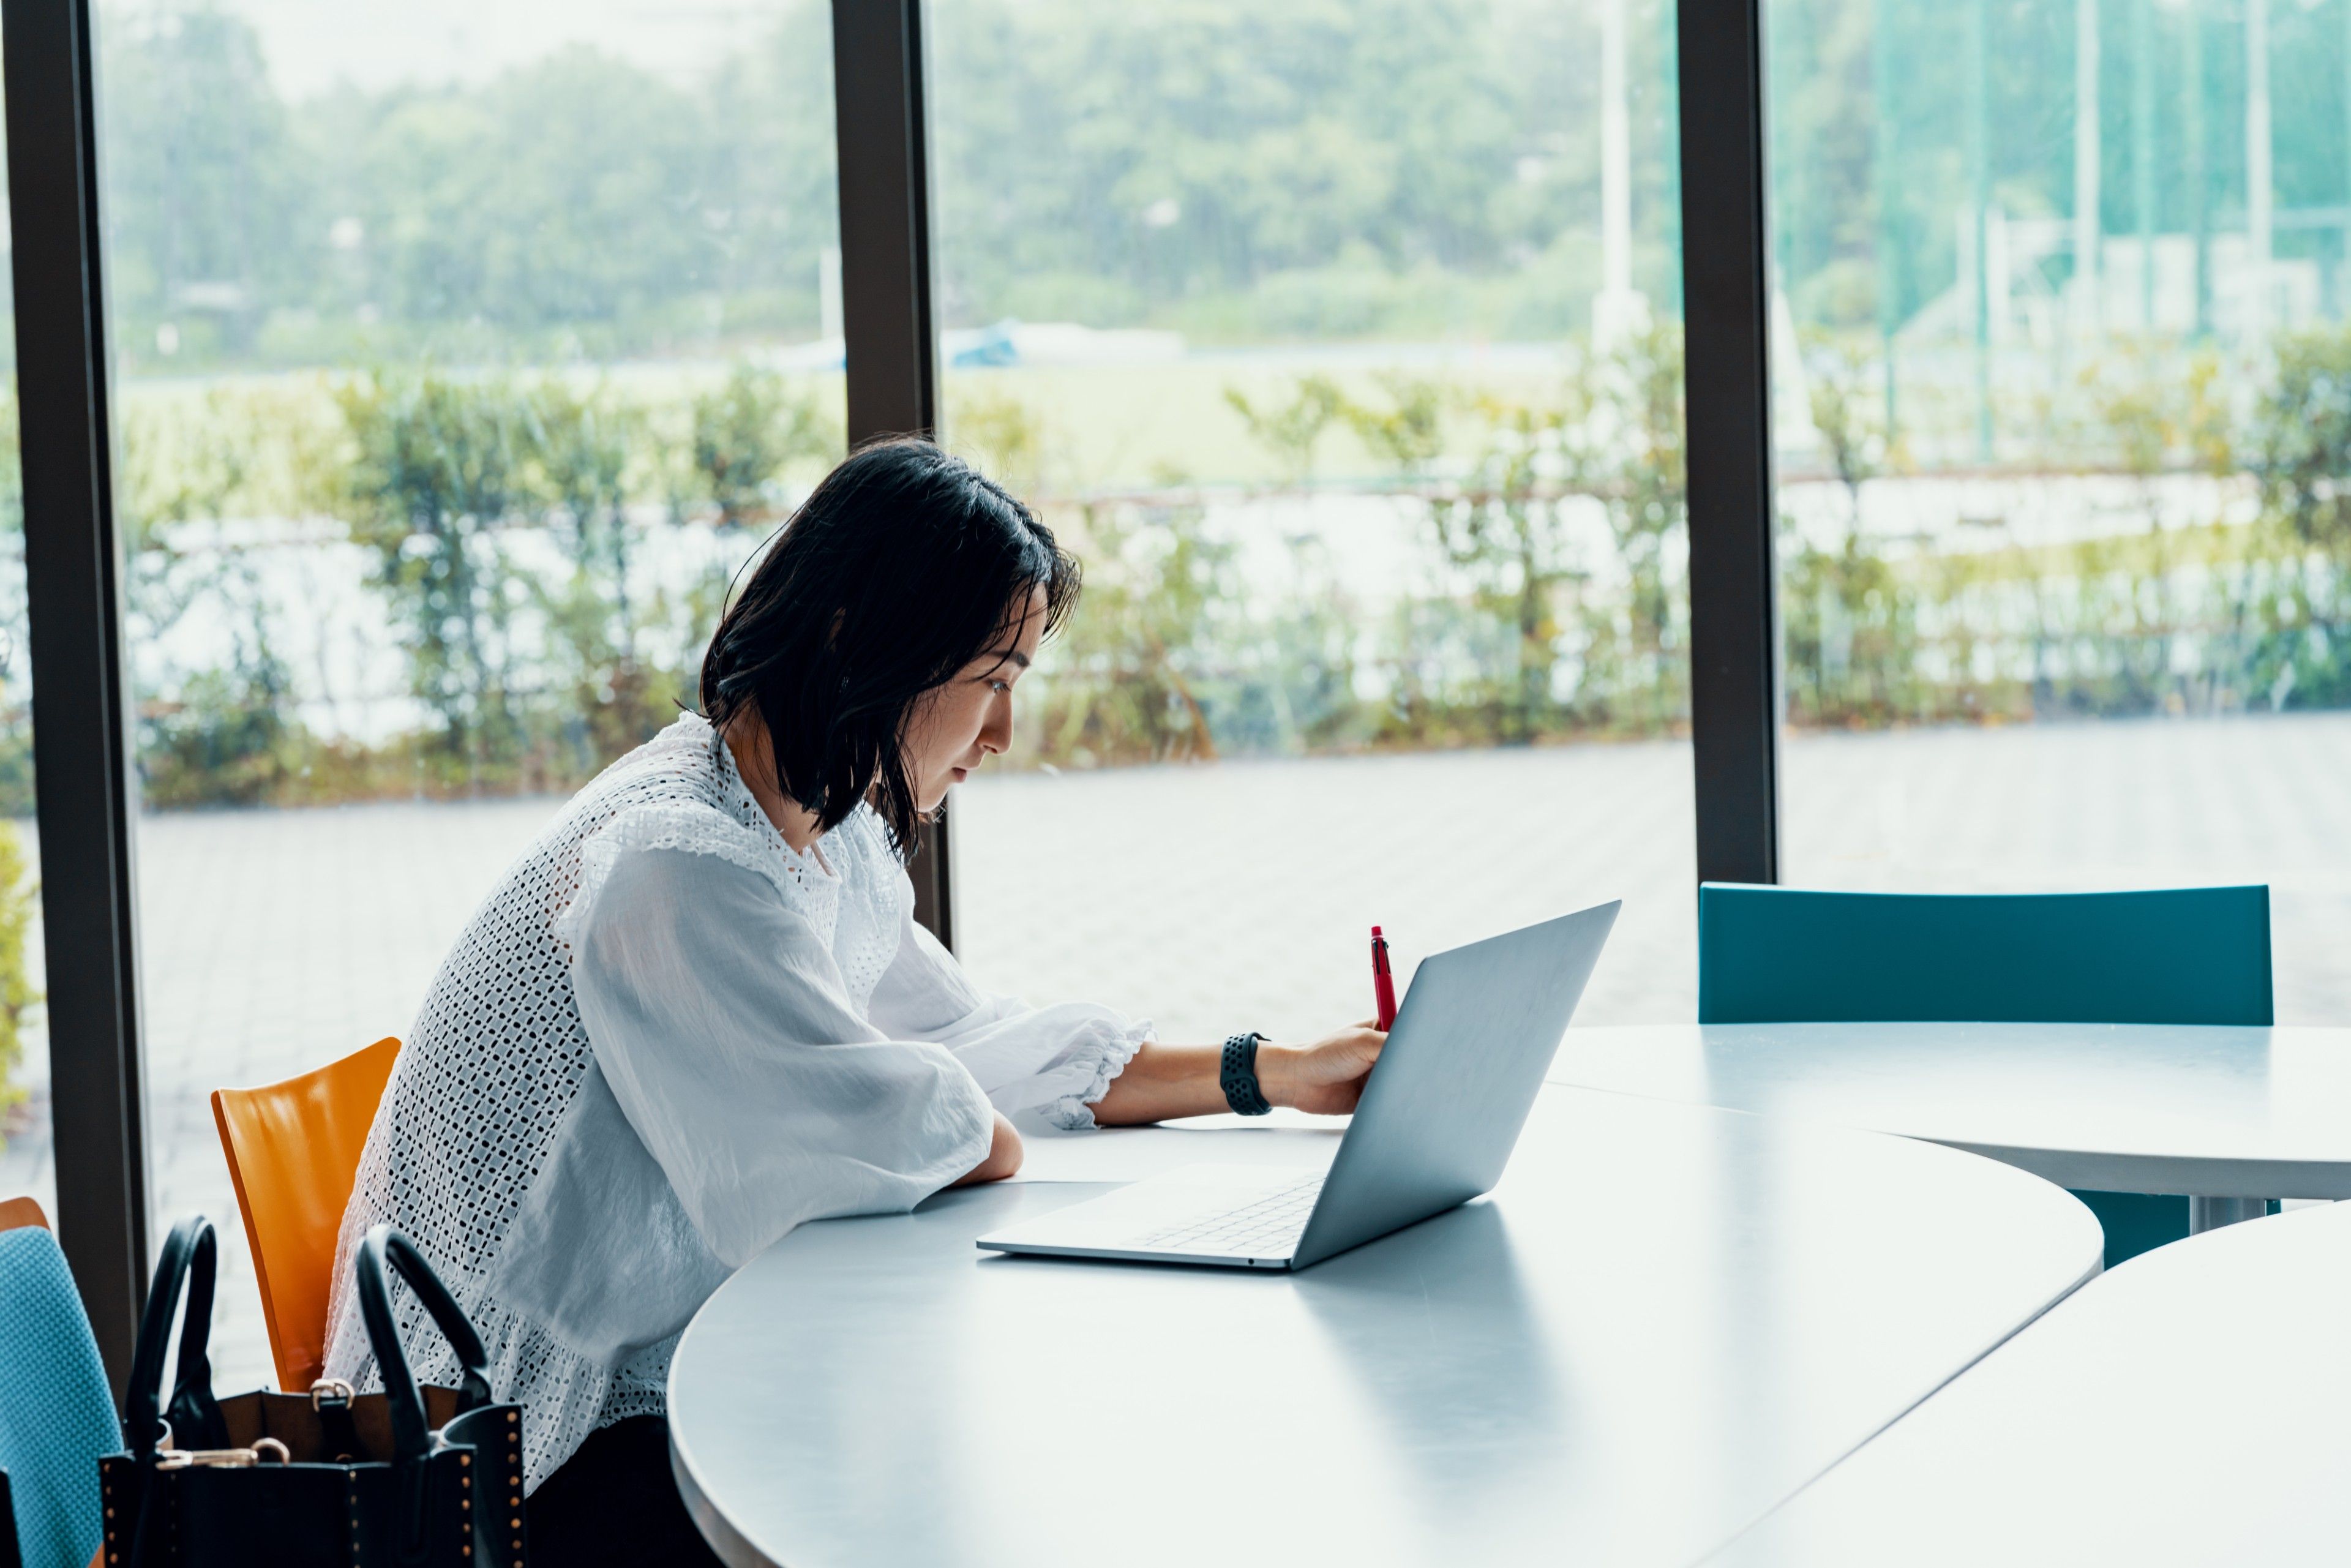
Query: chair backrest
[(2185, 956), (56, 1414), (293, 1151)]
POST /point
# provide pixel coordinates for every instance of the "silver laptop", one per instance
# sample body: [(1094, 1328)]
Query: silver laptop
[(1435, 1126)]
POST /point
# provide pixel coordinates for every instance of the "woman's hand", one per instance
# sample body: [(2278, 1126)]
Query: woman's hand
[(1003, 1157), (1327, 1077)]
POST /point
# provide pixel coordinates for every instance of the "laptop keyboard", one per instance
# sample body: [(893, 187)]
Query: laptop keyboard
[(1268, 1226)]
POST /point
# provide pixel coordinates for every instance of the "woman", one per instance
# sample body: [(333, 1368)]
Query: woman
[(697, 1010)]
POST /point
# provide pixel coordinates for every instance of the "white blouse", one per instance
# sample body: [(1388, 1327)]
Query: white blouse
[(664, 1041)]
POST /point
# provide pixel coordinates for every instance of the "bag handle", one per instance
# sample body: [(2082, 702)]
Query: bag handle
[(189, 1259), (410, 1439)]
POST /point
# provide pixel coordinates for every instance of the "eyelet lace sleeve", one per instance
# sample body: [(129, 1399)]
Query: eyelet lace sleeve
[(723, 1026), (1055, 1060)]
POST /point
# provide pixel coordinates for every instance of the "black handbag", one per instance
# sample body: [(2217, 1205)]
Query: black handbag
[(422, 1478)]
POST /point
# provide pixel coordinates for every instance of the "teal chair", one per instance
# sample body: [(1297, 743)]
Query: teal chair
[(2185, 956), (56, 1417)]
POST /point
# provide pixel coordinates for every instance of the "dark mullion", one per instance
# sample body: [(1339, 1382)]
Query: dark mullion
[(887, 281), (82, 721), (1735, 697)]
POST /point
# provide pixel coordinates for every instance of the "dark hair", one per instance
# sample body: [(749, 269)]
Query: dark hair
[(900, 568)]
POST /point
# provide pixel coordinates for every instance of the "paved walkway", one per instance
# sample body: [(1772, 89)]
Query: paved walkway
[(1238, 895)]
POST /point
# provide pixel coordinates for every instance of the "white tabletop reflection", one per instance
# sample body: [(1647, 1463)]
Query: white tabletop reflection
[(2216, 1112), (1665, 1321)]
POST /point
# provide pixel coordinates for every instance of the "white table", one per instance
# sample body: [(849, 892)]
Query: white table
[(1665, 1321), (2228, 1116), (2189, 1410)]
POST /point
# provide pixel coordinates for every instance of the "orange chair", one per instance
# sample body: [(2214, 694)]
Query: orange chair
[(293, 1151)]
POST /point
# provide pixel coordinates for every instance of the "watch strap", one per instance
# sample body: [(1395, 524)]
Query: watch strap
[(1238, 1076)]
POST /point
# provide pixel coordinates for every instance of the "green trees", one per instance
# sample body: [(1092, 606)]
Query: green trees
[(563, 204), (2301, 456), (2301, 452), (212, 729), (536, 669), (506, 523), (1265, 145), (1326, 168), (1237, 171), (1545, 599), (1623, 438), (437, 469), (1548, 598), (2233, 593), (1560, 517), (586, 448), (207, 184), (578, 206), (559, 259), (746, 431)]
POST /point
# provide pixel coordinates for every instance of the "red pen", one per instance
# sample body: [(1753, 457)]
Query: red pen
[(1383, 985)]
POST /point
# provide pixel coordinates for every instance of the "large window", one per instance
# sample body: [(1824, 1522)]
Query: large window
[(2065, 570), (465, 352), (1342, 344)]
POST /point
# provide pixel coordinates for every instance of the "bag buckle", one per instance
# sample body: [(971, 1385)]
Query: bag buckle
[(268, 1449), (330, 1390)]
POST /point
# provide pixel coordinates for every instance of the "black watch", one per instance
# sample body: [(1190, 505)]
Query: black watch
[(1238, 1076)]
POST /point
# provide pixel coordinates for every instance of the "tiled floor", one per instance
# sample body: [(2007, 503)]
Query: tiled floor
[(1237, 895)]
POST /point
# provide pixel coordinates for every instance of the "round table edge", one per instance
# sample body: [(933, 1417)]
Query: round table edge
[(733, 1547), (2185, 1176)]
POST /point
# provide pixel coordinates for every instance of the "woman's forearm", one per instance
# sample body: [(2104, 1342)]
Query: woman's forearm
[(1163, 1081)]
